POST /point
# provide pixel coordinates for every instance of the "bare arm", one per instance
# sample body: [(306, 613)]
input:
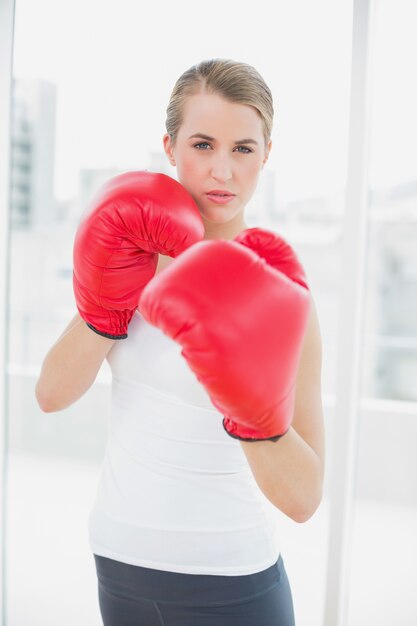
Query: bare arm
[(71, 366), (290, 471)]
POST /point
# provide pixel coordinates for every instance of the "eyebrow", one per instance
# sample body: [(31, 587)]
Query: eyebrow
[(202, 136)]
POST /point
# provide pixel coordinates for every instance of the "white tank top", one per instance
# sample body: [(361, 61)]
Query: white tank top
[(176, 492)]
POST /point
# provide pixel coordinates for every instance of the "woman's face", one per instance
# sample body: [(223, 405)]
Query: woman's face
[(209, 154)]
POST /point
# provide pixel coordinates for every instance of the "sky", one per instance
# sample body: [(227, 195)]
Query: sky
[(114, 66)]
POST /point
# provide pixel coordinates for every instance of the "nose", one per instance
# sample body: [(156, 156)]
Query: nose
[(221, 168)]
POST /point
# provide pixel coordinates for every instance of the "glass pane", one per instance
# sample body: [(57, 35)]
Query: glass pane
[(91, 86), (391, 331), (384, 551)]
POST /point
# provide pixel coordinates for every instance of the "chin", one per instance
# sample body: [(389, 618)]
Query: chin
[(219, 216)]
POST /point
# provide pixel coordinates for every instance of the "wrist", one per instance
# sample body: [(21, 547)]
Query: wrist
[(243, 433)]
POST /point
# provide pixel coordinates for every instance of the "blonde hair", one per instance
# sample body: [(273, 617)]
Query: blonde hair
[(235, 81)]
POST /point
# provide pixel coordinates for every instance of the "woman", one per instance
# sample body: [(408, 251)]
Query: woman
[(178, 530)]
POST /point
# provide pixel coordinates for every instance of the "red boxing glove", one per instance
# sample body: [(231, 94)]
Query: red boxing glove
[(239, 309), (134, 217)]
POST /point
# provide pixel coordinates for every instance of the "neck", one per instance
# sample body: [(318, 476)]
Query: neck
[(226, 231)]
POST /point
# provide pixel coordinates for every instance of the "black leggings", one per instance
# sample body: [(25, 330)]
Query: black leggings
[(130, 595)]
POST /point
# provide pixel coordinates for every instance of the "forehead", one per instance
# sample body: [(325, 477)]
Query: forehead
[(212, 114)]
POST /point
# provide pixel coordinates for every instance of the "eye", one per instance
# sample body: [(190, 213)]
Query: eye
[(204, 143)]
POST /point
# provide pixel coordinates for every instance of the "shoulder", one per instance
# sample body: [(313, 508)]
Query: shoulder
[(308, 411), (309, 370), (311, 353)]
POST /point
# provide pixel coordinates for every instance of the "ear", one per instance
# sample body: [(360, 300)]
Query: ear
[(169, 149), (267, 151)]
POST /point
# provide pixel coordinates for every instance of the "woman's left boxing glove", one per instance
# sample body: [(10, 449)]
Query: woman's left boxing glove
[(239, 310)]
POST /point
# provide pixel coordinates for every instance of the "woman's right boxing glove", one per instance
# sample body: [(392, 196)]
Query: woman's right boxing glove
[(134, 217)]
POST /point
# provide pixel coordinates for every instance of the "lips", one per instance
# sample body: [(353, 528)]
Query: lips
[(218, 197), (219, 192)]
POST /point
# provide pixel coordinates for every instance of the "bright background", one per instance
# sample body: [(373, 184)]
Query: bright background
[(92, 82)]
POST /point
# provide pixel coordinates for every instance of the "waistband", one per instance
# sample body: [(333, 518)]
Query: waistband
[(184, 589)]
